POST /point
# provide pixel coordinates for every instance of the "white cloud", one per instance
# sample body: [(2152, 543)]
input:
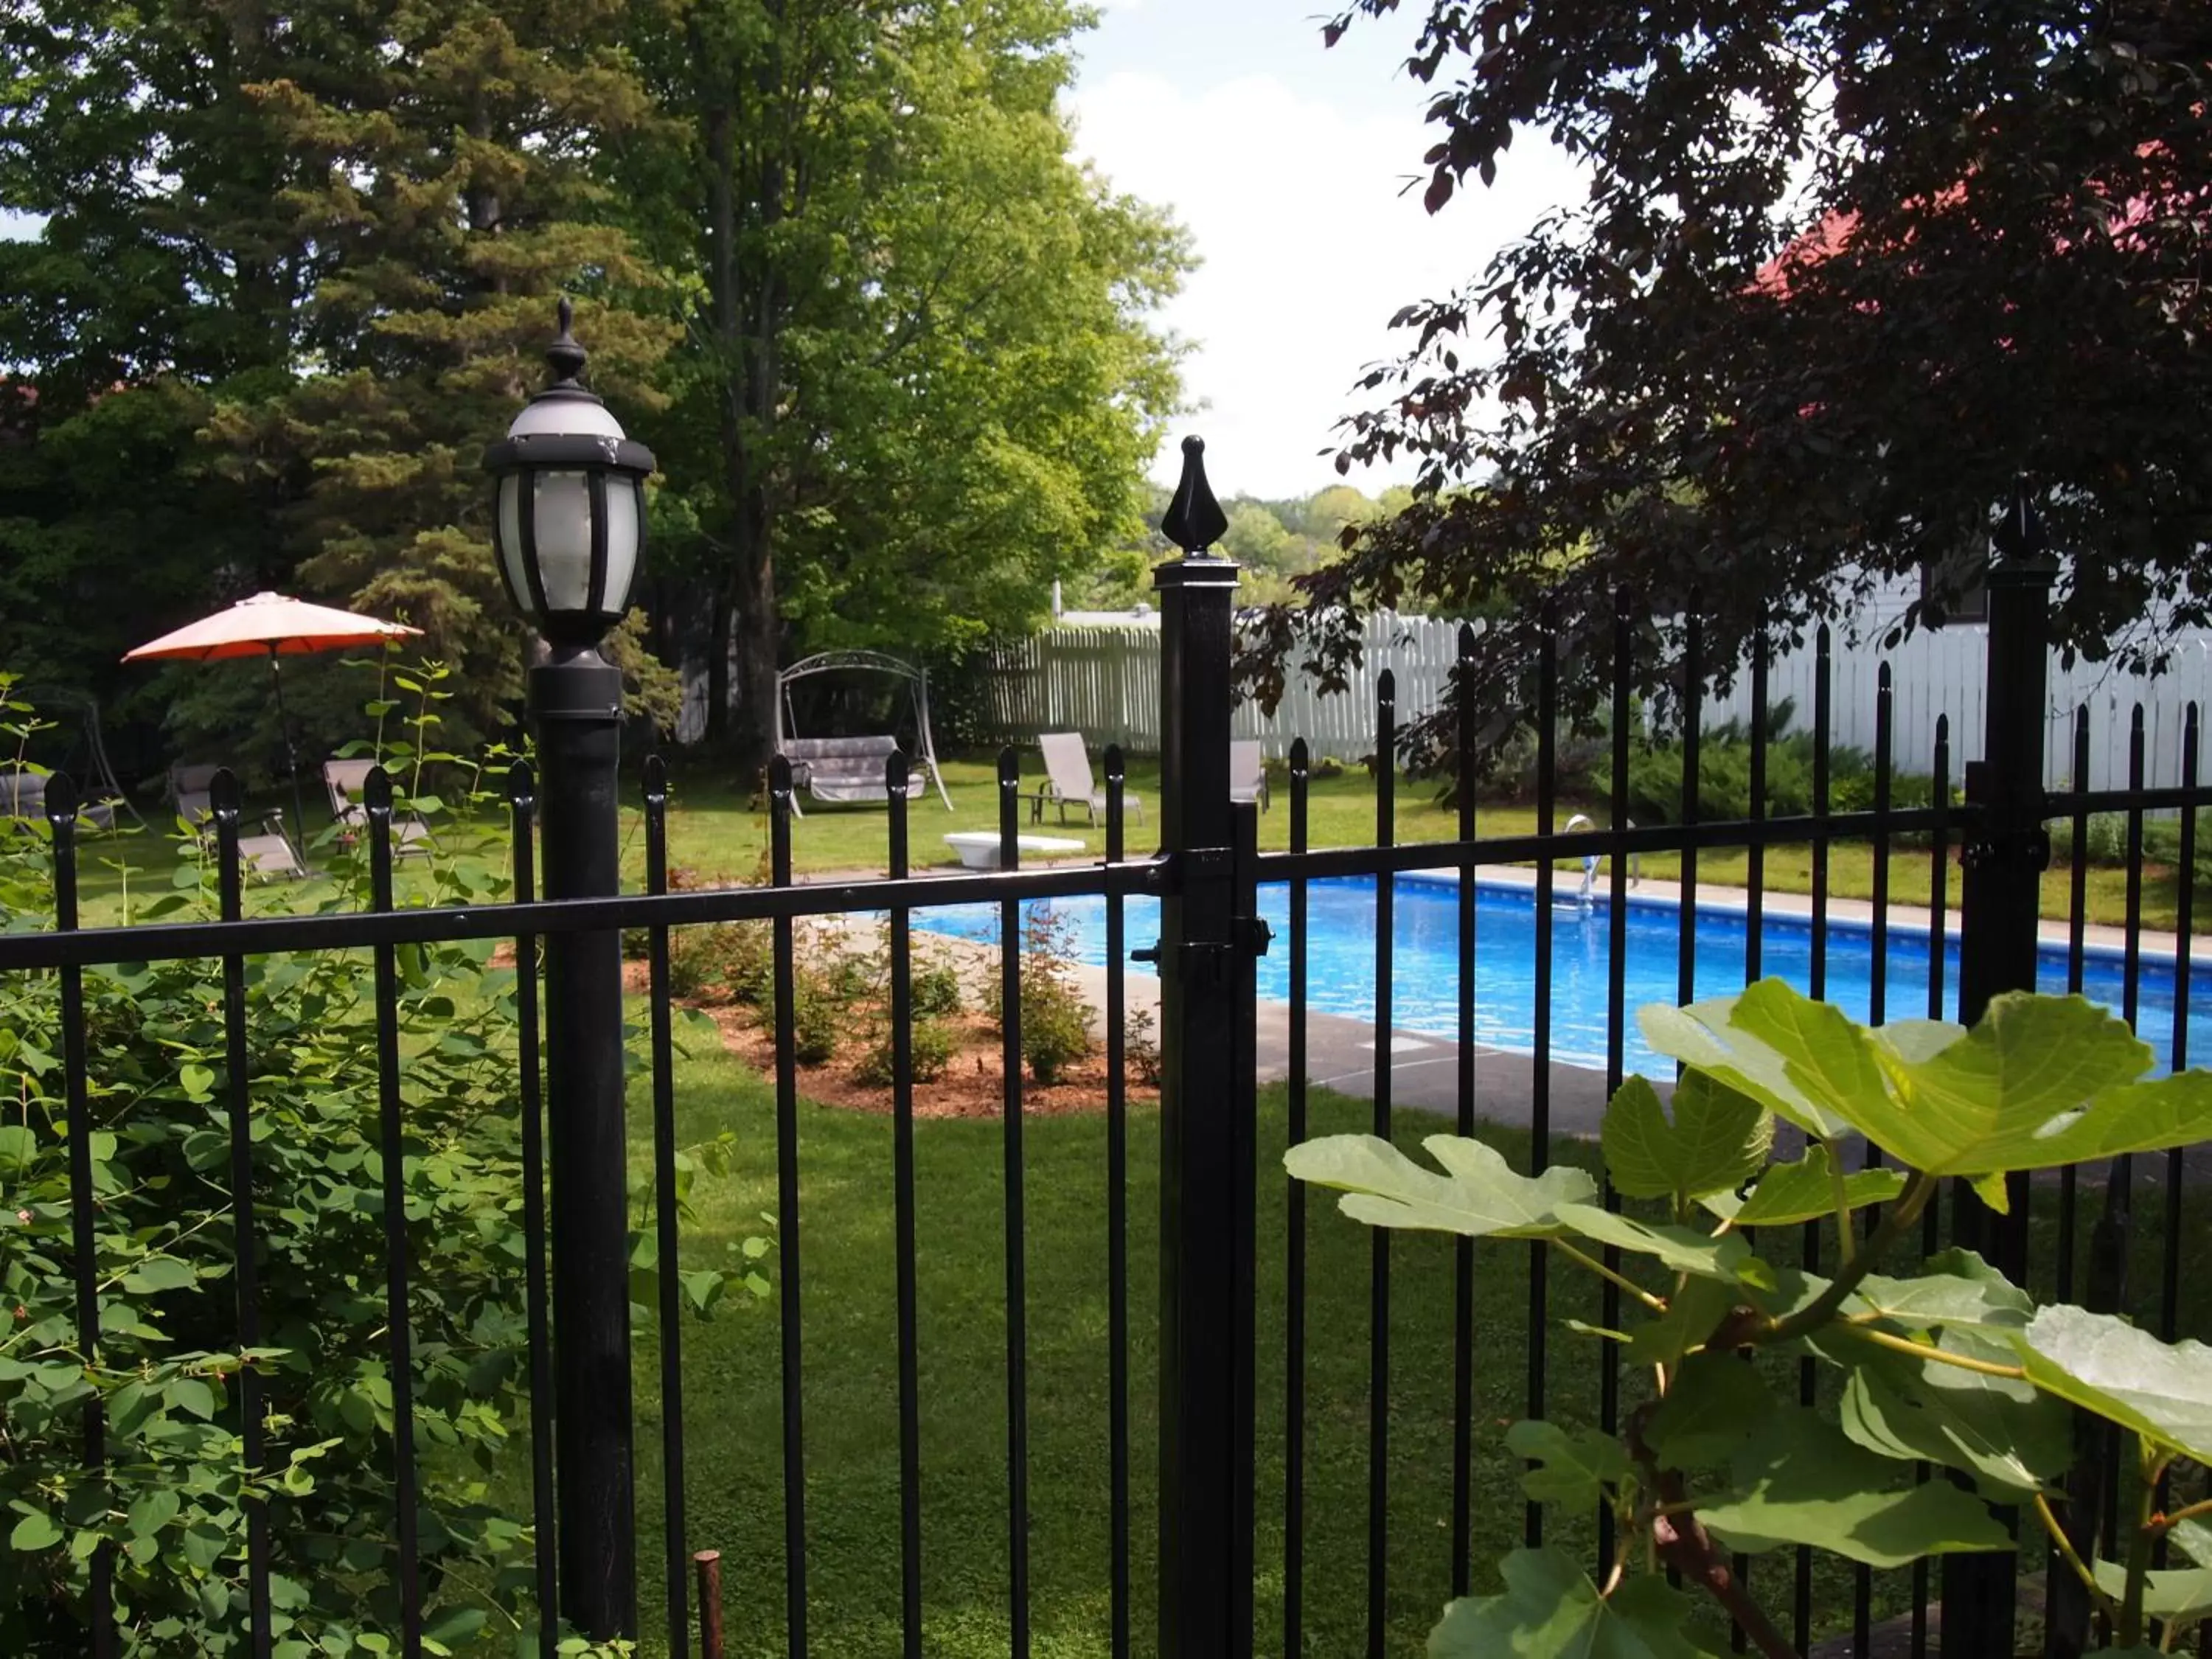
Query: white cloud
[(1311, 241)]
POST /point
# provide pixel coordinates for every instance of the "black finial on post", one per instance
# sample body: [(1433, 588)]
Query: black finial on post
[(565, 356), (2018, 536), (1193, 520)]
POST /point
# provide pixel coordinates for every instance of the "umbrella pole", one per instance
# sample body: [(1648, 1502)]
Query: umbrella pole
[(291, 762)]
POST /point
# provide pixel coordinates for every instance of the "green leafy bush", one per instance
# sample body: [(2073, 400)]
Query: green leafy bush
[(932, 1046), (935, 985), (1055, 1020), (169, 1372), (1954, 1366), (819, 1017)]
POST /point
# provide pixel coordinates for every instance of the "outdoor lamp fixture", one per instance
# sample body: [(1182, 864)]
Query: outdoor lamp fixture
[(568, 524), (569, 518)]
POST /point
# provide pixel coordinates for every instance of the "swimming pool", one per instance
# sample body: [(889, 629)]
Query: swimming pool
[(1425, 978)]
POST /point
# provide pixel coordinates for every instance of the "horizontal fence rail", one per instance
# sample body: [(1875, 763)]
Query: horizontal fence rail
[(1372, 1490)]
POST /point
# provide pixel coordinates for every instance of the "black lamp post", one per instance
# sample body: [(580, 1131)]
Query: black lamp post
[(569, 528)]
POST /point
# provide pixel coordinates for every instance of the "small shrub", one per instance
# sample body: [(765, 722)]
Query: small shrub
[(1140, 1047), (1055, 1020), (817, 1019), (932, 1052), (936, 987), (697, 960), (750, 965)]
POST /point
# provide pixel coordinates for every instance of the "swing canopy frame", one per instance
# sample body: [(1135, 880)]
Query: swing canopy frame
[(848, 769)]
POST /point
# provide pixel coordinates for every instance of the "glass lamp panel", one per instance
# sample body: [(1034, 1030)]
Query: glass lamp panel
[(510, 541), (563, 510), (623, 539)]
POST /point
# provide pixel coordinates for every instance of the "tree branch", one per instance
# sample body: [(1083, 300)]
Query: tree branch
[(1919, 1190)]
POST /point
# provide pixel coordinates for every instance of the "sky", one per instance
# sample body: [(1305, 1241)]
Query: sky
[(1288, 162)]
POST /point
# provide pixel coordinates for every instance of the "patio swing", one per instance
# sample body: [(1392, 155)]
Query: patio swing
[(22, 792), (849, 769)]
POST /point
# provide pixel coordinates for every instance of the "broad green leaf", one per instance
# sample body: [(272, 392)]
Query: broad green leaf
[(2194, 1540), (1705, 1036), (1727, 1259), (1958, 1292), (1798, 1480), (196, 1081), (2038, 1082), (153, 1510), (1479, 1194), (1715, 1140), (156, 1274), (1806, 1191), (1571, 1463), (2002, 1431), (1550, 1609), (1691, 1313), (2179, 1593), (18, 1146), (2161, 1390), (35, 1531), (1715, 1404)]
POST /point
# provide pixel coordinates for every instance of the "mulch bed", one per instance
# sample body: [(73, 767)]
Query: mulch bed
[(971, 1086)]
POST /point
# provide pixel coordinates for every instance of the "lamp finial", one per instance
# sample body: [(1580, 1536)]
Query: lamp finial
[(565, 356)]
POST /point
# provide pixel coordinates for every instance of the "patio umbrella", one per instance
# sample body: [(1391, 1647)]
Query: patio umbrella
[(274, 626)]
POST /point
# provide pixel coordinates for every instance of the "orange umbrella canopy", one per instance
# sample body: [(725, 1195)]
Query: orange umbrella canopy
[(269, 624)]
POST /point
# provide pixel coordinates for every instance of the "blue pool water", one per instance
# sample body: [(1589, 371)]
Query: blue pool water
[(1424, 977)]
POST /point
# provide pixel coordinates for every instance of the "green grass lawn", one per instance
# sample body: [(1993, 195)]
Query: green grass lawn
[(718, 832), (732, 1422)]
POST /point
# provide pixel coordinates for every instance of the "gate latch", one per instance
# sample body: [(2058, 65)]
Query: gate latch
[(1248, 936)]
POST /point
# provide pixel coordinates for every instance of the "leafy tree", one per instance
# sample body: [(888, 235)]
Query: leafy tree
[(1837, 274), (916, 383)]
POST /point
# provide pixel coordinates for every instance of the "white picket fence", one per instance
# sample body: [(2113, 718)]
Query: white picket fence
[(1104, 683)]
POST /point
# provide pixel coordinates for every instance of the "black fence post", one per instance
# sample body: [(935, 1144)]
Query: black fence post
[(575, 704), (2003, 853), (1206, 1105)]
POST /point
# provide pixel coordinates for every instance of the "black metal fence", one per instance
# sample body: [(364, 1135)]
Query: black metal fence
[(1203, 1567)]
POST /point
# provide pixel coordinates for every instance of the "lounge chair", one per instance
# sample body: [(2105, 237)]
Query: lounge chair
[(1069, 781), (1247, 772), (346, 780), (269, 854)]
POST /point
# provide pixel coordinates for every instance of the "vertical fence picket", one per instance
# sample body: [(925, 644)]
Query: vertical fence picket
[(376, 797), (1938, 928), (1117, 1218), (2077, 931), (786, 1221), (2169, 1314), (1618, 715), (1294, 1246), (1540, 1076), (1017, 1396), (61, 805), (905, 1245), (1808, 1377), (1877, 1014), (522, 806), (677, 1562), (245, 1232), (1462, 1498), (1378, 1304)]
